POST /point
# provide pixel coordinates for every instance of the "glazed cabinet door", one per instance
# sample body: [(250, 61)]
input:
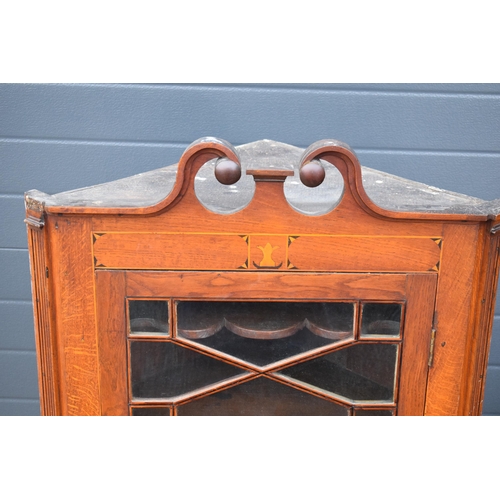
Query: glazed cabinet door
[(208, 343)]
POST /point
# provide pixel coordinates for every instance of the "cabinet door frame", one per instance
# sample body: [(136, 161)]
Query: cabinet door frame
[(418, 291)]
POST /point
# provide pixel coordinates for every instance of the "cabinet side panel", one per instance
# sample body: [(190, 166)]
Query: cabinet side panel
[(76, 329), (479, 342), (452, 320), (44, 335)]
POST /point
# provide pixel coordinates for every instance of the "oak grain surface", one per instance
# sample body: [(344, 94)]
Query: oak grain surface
[(453, 303), (73, 271), (111, 332), (421, 290)]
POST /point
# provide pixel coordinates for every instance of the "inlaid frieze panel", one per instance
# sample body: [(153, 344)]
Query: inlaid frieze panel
[(268, 252)]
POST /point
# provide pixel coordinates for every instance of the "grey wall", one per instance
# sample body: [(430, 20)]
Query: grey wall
[(60, 137)]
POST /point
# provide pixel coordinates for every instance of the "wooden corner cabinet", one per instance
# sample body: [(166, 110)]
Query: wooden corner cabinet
[(262, 280)]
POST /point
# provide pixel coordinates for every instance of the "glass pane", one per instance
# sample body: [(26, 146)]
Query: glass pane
[(362, 372), (148, 316), (152, 411), (373, 413), (220, 198), (164, 369), (334, 320), (265, 332), (261, 397), (319, 200), (198, 320), (381, 319)]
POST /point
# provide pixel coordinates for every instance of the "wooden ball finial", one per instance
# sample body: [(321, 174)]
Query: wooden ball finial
[(227, 171), (312, 174)]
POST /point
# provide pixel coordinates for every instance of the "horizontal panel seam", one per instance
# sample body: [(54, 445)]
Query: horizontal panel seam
[(94, 142), (429, 152), (14, 400), (12, 196), (18, 351), (346, 90), (15, 301), (166, 144), (290, 89)]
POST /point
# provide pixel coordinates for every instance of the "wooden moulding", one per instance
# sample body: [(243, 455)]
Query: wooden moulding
[(209, 148), (195, 156), (34, 212), (343, 157), (44, 332)]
